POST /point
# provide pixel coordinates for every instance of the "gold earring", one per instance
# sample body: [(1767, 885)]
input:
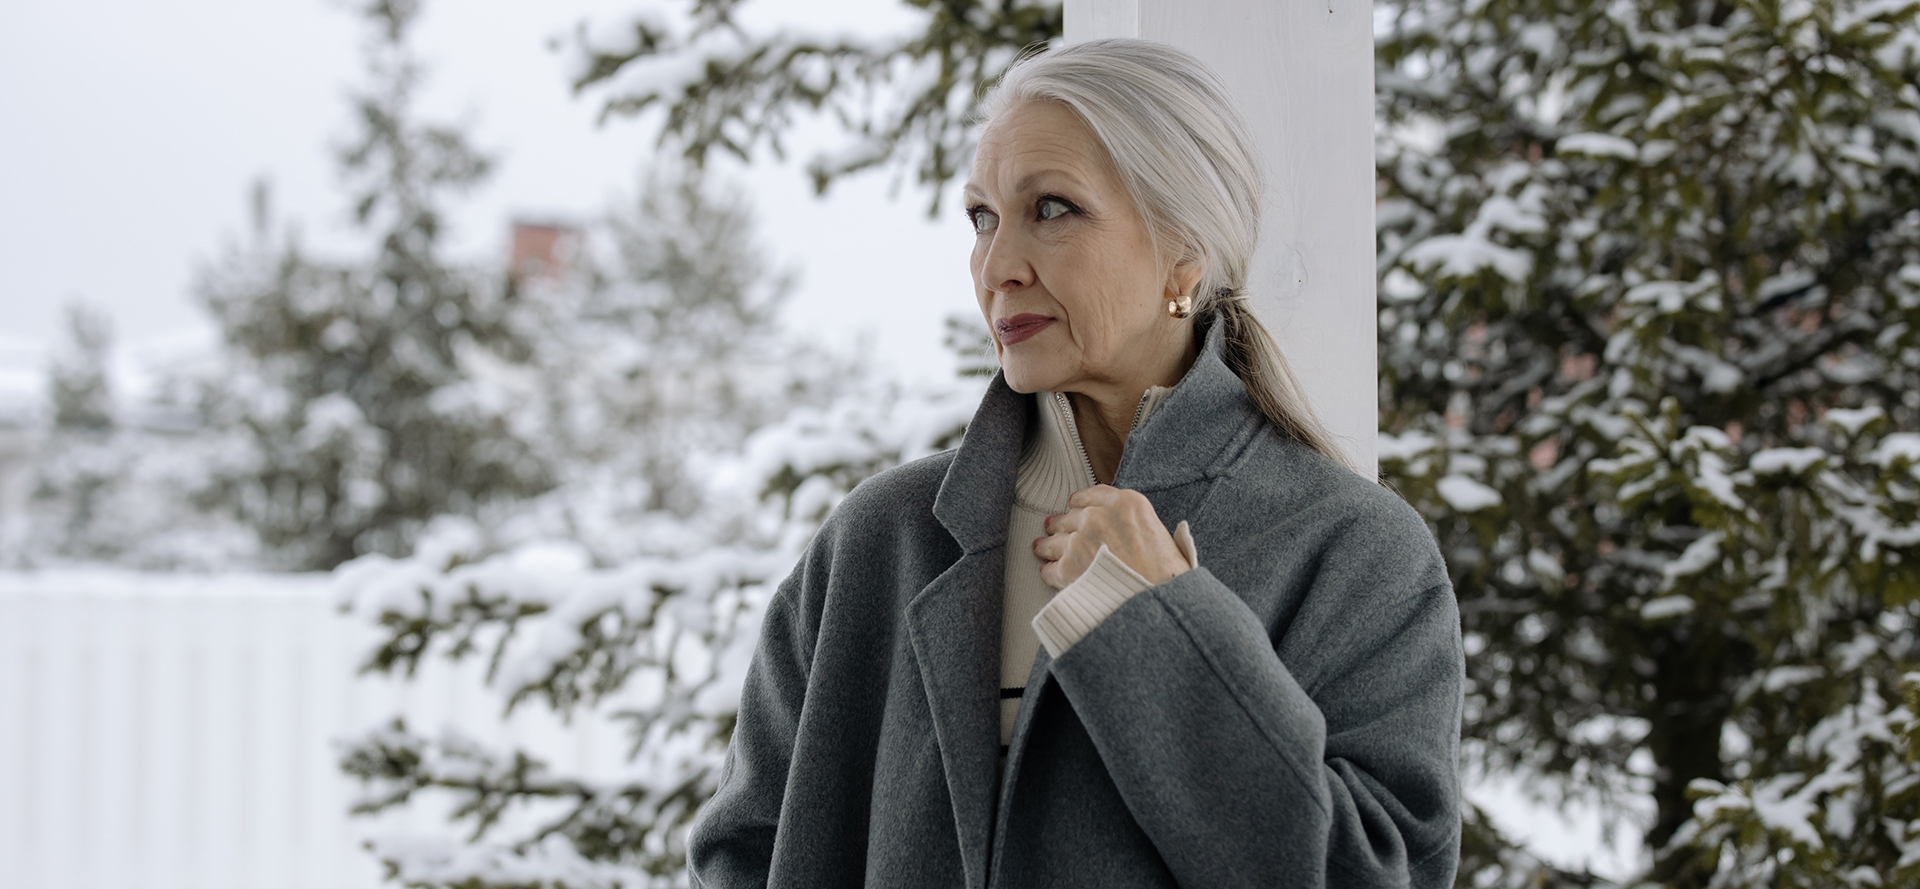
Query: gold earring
[(1180, 306)]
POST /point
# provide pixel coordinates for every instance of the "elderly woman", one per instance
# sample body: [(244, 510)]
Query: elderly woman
[(997, 666)]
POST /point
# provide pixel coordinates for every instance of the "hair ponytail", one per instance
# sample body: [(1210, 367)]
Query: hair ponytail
[(1256, 359)]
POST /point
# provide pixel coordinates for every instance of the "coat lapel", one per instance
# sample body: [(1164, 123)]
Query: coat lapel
[(1037, 681), (954, 622), (955, 627)]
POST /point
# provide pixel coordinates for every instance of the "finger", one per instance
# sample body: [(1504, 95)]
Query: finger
[(1050, 574), (1096, 495), (1051, 547), (1067, 522)]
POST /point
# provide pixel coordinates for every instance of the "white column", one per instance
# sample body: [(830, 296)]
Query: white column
[(1302, 72)]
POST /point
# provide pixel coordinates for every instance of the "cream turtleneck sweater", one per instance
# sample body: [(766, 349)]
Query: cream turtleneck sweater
[(1053, 466)]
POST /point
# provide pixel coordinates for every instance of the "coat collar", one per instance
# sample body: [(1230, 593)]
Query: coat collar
[(1197, 430)]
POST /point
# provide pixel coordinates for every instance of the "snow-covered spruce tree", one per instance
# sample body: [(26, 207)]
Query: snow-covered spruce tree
[(910, 100), (357, 380), (697, 450), (77, 379), (79, 468), (116, 480), (1650, 364), (658, 643), (664, 344)]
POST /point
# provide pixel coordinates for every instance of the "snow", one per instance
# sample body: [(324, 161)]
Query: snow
[(1895, 448), (1405, 446), (1852, 420), (1848, 19), (1792, 461), (1517, 216), (1785, 810), (1546, 566), (1670, 296), (1781, 678), (1598, 145), (1666, 607), (1723, 377), (1786, 282), (1465, 255), (1466, 495), (1710, 469)]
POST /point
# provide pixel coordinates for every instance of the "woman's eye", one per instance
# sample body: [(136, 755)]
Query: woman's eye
[(1053, 208), (984, 221)]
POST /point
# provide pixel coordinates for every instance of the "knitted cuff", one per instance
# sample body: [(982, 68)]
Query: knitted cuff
[(1183, 538), (1098, 592)]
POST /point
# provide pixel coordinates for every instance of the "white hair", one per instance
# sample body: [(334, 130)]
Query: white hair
[(1189, 164)]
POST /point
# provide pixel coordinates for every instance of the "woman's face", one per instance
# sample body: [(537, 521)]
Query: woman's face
[(1063, 266)]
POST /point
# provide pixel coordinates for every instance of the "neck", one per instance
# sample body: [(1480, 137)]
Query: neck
[(1104, 414), (1103, 428)]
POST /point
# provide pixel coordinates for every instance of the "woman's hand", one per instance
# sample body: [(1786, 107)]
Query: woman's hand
[(1118, 517)]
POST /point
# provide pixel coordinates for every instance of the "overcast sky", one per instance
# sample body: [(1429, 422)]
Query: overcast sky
[(133, 129)]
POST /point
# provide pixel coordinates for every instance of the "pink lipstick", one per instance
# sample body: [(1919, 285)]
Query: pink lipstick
[(1020, 328)]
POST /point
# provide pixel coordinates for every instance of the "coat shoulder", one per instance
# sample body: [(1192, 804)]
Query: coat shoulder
[(1321, 504), (875, 543), (895, 498)]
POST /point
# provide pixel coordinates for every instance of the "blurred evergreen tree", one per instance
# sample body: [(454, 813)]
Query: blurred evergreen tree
[(1649, 364), (78, 385), (362, 384), (699, 447), (78, 470)]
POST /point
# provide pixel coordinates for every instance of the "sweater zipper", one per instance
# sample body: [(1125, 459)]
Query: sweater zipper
[(1138, 409), (1073, 429)]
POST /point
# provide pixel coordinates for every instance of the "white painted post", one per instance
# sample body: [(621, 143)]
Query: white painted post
[(1302, 72)]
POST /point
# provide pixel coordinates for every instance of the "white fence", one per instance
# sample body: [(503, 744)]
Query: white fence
[(163, 731), (177, 732)]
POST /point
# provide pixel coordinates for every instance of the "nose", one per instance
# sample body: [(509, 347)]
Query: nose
[(1006, 267)]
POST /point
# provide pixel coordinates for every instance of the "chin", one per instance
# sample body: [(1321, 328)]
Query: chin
[(1025, 379)]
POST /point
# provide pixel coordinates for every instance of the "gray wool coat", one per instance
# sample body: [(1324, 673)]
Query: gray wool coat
[(1287, 714)]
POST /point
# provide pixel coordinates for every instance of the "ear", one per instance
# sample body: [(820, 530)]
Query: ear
[(1184, 276)]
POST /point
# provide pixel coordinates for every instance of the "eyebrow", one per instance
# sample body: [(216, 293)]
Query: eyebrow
[(1026, 182)]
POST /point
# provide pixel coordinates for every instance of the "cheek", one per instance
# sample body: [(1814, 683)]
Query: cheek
[(982, 296), (976, 265), (1130, 296), (1109, 311)]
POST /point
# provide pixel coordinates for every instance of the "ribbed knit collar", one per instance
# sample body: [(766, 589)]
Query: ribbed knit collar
[(1053, 463), (1196, 430)]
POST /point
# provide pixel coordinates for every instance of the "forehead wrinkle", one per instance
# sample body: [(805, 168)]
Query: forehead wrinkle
[(1032, 182), (1026, 182)]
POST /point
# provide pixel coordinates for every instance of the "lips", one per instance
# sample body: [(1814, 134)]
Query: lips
[(1020, 328)]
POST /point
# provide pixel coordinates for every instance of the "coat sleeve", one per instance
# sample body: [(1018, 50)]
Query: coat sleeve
[(1325, 756), (731, 845)]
